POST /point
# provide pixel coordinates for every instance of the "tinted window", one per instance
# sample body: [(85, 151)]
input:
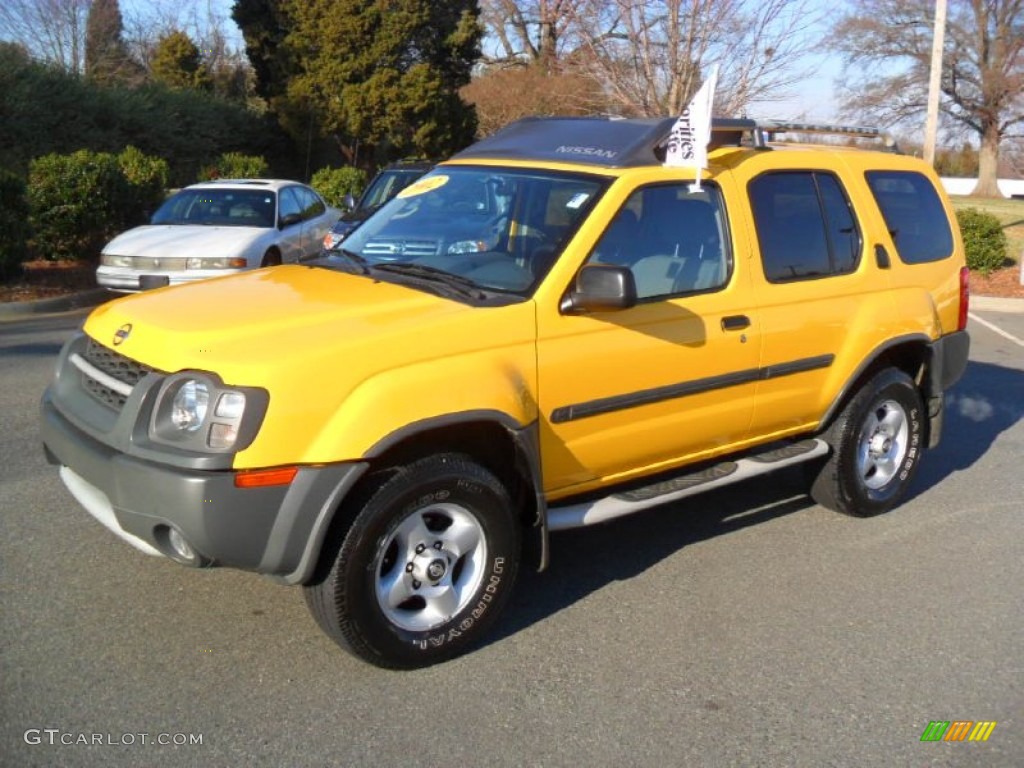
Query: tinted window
[(222, 207), (913, 214), (672, 239), (841, 226), (805, 226), (312, 205), (289, 203)]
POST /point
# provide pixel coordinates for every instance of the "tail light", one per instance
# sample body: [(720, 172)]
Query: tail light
[(965, 298)]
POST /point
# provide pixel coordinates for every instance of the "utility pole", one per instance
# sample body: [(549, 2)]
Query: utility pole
[(931, 123)]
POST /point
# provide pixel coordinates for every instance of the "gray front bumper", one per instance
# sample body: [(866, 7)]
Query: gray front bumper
[(276, 530)]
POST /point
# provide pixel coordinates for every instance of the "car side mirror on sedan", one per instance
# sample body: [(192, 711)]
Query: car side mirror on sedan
[(601, 288), (349, 202)]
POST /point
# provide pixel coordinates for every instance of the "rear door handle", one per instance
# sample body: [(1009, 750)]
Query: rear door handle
[(735, 322)]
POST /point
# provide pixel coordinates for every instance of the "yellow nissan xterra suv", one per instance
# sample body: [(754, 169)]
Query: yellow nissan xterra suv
[(550, 330)]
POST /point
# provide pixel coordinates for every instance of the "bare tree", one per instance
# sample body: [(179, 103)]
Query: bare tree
[(527, 31), (652, 55), (50, 30), (983, 68)]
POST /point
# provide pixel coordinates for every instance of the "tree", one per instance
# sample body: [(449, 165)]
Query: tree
[(503, 95), (106, 55), (381, 76), (264, 25), (50, 30), (983, 68), (527, 31), (652, 55), (177, 63)]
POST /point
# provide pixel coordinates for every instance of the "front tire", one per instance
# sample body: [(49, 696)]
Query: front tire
[(425, 567), (877, 442)]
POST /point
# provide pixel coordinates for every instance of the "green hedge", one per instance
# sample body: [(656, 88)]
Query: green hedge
[(334, 183), (235, 165), (45, 111), (14, 226), (78, 202), (984, 240)]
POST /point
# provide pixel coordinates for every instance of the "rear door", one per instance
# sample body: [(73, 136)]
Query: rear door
[(290, 224), (315, 223)]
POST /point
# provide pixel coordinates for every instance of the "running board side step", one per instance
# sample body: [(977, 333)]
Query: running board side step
[(681, 486)]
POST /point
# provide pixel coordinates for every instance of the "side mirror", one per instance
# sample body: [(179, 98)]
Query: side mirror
[(288, 219), (602, 288), (349, 202)]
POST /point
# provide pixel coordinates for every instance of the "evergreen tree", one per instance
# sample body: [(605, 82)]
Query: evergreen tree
[(178, 64), (380, 76), (106, 55), (263, 24)]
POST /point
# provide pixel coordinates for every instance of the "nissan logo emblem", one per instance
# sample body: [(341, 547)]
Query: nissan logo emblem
[(121, 334)]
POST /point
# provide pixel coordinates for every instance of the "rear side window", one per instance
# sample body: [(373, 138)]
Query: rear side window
[(805, 226), (913, 214)]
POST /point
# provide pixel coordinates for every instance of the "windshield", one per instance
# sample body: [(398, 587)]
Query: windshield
[(219, 207), (388, 184), (499, 228)]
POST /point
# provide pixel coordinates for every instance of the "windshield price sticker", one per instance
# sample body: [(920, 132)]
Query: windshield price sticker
[(427, 184)]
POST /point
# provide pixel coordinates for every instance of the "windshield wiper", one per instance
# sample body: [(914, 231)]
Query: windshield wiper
[(355, 258), (460, 284)]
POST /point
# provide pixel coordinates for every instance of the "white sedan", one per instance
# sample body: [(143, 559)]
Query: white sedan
[(215, 228)]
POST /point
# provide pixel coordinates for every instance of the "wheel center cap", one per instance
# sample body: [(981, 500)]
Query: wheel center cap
[(436, 570), (881, 444)]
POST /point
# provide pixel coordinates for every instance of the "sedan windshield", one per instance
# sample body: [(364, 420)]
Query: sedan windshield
[(219, 207), (497, 228)]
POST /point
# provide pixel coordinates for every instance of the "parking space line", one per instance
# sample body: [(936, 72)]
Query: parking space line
[(996, 329)]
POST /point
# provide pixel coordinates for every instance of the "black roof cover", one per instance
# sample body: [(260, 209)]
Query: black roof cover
[(602, 141)]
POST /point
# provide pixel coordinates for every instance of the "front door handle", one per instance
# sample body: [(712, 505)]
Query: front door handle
[(735, 323)]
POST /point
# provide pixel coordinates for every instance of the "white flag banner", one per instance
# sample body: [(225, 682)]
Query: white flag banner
[(688, 140)]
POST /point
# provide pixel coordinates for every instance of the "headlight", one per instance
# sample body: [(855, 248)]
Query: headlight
[(212, 262), (110, 260), (198, 413), (188, 409), (470, 246)]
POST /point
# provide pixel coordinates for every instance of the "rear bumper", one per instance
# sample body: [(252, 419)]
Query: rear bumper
[(276, 530)]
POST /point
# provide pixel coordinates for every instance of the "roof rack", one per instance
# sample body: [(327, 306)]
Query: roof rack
[(619, 143), (768, 129)]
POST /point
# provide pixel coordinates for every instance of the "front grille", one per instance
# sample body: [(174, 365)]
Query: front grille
[(395, 250), (113, 364)]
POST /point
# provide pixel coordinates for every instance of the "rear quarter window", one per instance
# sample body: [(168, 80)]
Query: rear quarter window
[(913, 215)]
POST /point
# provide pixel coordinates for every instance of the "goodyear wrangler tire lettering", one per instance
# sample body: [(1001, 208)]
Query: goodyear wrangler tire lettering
[(876, 446), (425, 567)]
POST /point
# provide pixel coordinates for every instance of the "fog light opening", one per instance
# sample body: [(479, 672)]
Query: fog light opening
[(174, 544)]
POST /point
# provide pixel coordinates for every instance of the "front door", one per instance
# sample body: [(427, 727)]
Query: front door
[(669, 379)]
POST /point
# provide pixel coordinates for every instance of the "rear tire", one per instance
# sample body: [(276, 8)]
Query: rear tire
[(425, 567), (877, 441)]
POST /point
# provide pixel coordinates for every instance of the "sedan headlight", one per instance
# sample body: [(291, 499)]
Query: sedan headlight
[(110, 260), (196, 412)]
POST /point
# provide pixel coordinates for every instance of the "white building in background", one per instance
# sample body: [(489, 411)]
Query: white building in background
[(1009, 187)]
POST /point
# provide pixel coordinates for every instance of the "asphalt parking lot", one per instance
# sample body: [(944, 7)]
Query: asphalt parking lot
[(746, 627)]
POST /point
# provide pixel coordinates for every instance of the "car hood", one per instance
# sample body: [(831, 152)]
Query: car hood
[(170, 240), (295, 317)]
